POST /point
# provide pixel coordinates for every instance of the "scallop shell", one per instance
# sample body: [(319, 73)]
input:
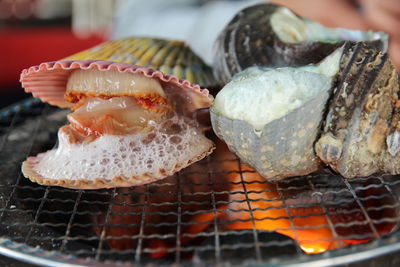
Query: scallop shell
[(48, 82), (28, 169), (170, 57), (249, 40), (362, 130)]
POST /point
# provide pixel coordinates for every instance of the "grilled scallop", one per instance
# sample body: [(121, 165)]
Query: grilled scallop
[(129, 125)]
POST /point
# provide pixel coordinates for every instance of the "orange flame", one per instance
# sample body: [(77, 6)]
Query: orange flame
[(305, 225), (261, 204), (253, 202), (202, 222)]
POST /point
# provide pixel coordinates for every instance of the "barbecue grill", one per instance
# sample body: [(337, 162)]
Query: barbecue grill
[(215, 212)]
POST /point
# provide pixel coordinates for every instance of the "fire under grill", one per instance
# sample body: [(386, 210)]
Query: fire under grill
[(217, 211)]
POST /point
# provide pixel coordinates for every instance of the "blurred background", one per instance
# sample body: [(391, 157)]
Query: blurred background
[(35, 31)]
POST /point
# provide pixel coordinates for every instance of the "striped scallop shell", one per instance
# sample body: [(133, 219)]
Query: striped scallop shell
[(170, 57)]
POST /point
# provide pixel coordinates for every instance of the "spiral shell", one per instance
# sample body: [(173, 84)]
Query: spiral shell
[(251, 40), (360, 133), (284, 146)]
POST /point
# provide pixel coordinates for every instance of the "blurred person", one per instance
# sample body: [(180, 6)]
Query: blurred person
[(199, 22), (378, 15)]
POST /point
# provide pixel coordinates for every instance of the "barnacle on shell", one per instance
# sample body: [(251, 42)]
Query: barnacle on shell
[(362, 130)]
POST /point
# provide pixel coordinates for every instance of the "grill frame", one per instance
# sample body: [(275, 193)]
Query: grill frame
[(384, 245), (46, 258)]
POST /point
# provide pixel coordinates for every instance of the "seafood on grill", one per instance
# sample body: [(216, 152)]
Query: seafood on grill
[(189, 189), (275, 119), (168, 56), (361, 134), (271, 117), (273, 36), (129, 125)]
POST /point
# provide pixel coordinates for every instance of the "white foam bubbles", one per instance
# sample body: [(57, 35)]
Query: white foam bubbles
[(169, 144)]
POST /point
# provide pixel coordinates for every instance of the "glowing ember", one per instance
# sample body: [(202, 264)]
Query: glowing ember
[(318, 219), (268, 210), (153, 218), (313, 250), (319, 213), (201, 222)]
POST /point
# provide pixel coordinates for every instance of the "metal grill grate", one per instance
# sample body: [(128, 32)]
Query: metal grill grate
[(217, 211)]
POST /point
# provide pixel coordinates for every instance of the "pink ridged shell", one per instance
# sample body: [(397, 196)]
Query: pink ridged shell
[(48, 80)]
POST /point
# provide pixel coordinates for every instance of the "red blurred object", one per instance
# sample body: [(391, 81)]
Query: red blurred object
[(23, 47)]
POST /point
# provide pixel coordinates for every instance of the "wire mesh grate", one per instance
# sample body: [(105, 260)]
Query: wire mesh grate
[(215, 211)]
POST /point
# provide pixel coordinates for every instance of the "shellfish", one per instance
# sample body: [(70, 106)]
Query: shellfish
[(273, 36), (362, 130), (356, 87), (130, 125), (168, 56), (271, 118)]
